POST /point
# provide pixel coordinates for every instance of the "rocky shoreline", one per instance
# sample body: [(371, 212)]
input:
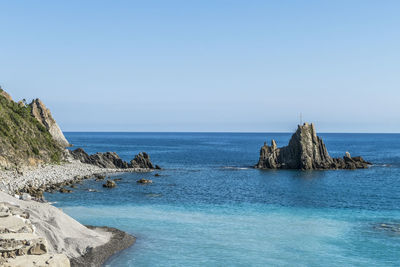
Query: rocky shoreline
[(24, 188), (34, 160), (50, 178), (39, 234), (98, 255)]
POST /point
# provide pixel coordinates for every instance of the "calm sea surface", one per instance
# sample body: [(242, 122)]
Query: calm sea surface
[(209, 208)]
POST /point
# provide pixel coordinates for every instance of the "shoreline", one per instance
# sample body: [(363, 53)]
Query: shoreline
[(83, 245), (97, 256), (42, 178)]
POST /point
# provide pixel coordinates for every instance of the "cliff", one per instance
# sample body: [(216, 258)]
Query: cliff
[(306, 151), (43, 115), (24, 137)]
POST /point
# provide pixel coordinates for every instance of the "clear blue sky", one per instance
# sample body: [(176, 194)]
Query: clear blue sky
[(206, 65)]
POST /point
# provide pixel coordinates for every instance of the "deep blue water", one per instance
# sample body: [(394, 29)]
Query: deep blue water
[(209, 208)]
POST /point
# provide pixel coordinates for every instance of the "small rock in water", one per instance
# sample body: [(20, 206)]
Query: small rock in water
[(110, 184), (64, 190), (157, 175), (117, 179), (391, 227), (144, 181), (100, 176)]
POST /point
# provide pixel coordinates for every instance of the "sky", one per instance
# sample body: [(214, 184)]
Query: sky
[(206, 65)]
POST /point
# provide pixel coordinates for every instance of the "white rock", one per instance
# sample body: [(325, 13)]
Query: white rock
[(26, 196)]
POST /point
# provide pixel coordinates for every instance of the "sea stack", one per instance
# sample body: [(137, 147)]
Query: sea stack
[(306, 151)]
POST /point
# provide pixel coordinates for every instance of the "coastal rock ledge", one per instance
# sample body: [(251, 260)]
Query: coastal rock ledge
[(306, 151), (113, 161)]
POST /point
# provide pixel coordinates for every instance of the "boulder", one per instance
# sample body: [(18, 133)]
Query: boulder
[(64, 190), (110, 184), (306, 151), (144, 181)]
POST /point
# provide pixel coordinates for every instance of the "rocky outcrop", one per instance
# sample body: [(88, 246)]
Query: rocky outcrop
[(111, 160), (38, 234), (25, 141), (43, 115), (306, 151), (142, 160), (103, 160), (20, 245)]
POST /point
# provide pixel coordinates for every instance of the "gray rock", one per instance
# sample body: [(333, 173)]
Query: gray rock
[(306, 151), (142, 160), (144, 181), (43, 115), (111, 160), (110, 184)]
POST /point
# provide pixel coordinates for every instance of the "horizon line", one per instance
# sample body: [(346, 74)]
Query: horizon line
[(108, 131)]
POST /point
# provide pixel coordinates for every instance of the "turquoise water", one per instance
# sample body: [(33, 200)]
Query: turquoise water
[(208, 208)]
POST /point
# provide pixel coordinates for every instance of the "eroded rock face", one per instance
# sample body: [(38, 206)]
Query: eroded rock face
[(306, 151), (112, 160), (142, 160), (43, 115)]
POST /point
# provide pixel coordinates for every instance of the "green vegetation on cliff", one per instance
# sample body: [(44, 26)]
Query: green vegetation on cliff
[(23, 139)]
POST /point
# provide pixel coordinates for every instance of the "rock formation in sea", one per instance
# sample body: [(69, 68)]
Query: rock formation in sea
[(43, 115), (306, 151), (111, 160)]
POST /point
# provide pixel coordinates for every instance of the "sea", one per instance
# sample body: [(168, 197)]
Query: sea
[(210, 207)]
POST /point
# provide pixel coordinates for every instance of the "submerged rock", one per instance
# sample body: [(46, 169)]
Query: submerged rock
[(112, 160), (390, 227), (144, 181), (65, 190), (306, 151)]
